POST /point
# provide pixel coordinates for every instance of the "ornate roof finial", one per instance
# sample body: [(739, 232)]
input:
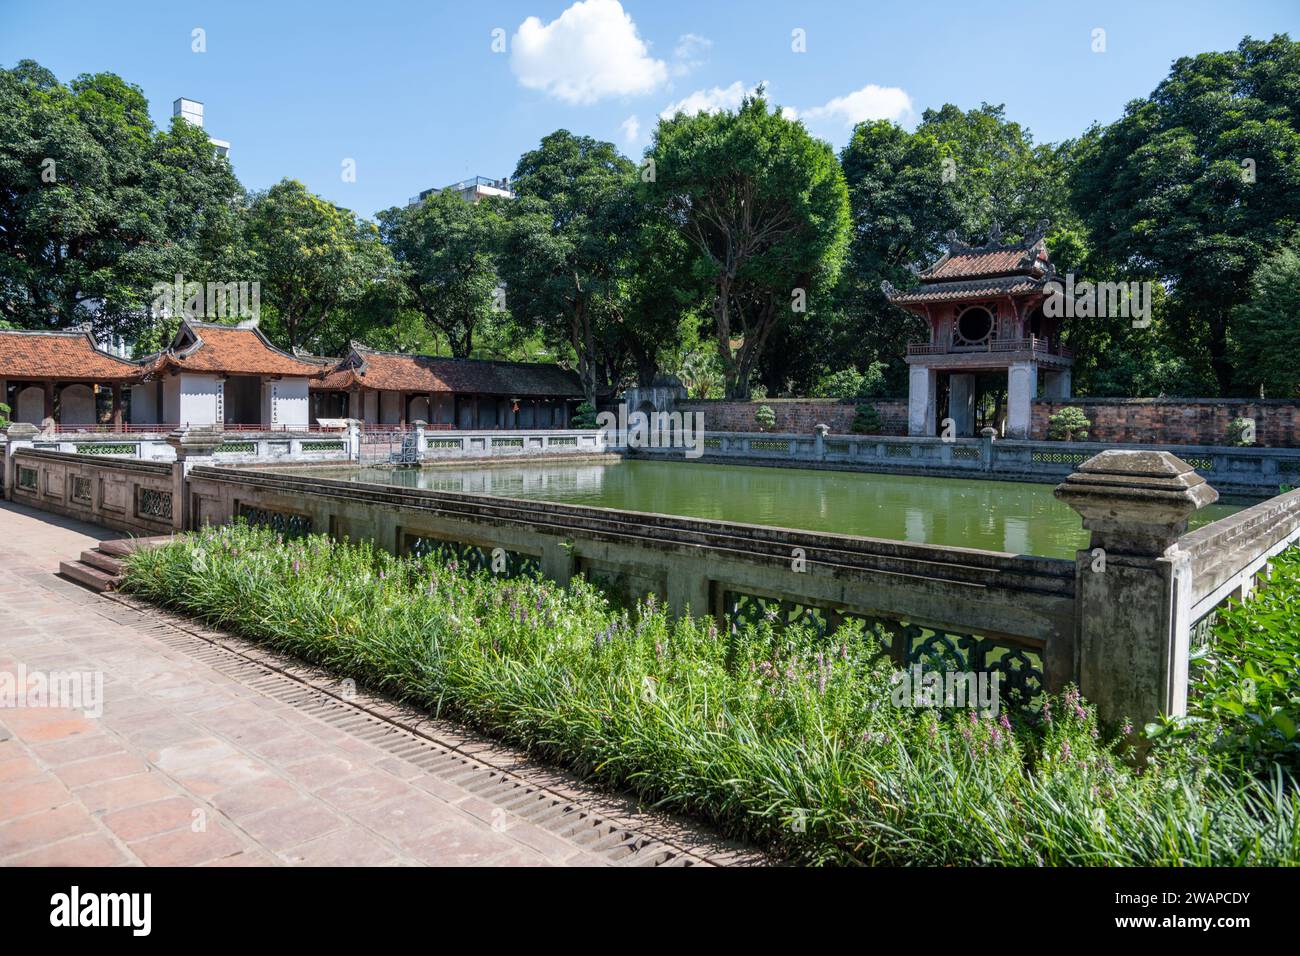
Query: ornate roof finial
[(995, 235), (951, 236), (1040, 230)]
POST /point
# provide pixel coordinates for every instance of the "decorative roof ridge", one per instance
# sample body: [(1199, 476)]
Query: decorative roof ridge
[(72, 332), (359, 348)]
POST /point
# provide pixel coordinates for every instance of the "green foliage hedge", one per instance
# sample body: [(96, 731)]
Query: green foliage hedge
[(783, 739)]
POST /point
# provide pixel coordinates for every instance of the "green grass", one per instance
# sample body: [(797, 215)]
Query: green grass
[(782, 739), (1244, 691)]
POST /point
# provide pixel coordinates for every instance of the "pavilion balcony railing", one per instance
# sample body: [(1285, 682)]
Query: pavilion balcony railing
[(1036, 344)]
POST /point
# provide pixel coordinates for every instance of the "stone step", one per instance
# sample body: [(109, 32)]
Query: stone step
[(121, 547), (104, 562), (92, 578)]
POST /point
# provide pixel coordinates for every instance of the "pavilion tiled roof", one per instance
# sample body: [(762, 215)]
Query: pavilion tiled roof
[(395, 371), (69, 355), (972, 271), (227, 349)]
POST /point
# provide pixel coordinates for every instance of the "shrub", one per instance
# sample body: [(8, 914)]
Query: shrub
[(4, 415), (764, 417), (584, 416), (866, 421), (850, 383), (1069, 424), (1241, 432), (786, 739)]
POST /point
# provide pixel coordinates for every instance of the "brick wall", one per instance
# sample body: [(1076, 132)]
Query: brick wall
[(796, 415), (1179, 421)]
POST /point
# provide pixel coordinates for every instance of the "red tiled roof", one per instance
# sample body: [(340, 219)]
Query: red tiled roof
[(949, 291), (60, 355), (391, 371), (228, 349), (992, 262)]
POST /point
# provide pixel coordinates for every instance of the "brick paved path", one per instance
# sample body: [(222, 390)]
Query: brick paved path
[(219, 757)]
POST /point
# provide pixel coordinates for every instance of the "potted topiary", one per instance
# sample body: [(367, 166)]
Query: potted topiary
[(584, 416), (765, 417), (866, 421), (1069, 424), (1241, 432)]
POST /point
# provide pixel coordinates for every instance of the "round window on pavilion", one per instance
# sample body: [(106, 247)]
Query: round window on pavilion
[(974, 326)]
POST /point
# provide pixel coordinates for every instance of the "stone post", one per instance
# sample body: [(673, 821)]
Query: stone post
[(987, 434), (420, 444), (18, 435), (921, 394), (819, 442), (194, 446), (1022, 389), (1132, 583), (353, 438)]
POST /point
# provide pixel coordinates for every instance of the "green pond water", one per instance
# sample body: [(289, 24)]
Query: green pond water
[(1018, 517)]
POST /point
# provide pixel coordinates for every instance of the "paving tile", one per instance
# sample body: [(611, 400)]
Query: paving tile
[(50, 826), (91, 850), (20, 799), (99, 769), (125, 792), (150, 819), (187, 848)]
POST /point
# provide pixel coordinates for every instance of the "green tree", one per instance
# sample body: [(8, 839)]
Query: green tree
[(1200, 182), (765, 208), (97, 206), (314, 259), (568, 238), (446, 249), (1265, 349)]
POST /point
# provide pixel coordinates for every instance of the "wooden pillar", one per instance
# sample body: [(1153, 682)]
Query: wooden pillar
[(432, 416), (49, 398), (117, 406), (401, 415)]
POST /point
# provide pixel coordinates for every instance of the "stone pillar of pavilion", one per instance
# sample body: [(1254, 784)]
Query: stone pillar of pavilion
[(982, 306), (1132, 583), (193, 446)]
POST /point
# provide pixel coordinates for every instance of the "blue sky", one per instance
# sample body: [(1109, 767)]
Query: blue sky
[(415, 95)]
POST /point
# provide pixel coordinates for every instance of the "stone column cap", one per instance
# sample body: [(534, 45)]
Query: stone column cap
[(196, 441), (21, 430), (1136, 501)]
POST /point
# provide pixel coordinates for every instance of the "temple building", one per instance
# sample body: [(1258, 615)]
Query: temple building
[(990, 342), (63, 376), (232, 375), (394, 388)]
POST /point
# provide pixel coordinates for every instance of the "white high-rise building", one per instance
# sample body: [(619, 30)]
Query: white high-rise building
[(192, 112)]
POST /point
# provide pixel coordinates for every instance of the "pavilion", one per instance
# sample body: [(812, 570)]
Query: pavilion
[(990, 340), (62, 376), (395, 388)]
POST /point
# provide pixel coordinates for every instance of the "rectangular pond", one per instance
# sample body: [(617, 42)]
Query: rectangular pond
[(1016, 517)]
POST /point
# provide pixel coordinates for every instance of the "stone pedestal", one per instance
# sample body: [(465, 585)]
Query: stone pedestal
[(193, 446), (921, 401), (1132, 583), (1022, 389), (18, 435)]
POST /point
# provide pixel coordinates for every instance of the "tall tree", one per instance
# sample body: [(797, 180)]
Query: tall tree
[(312, 259), (96, 205), (765, 207), (1200, 182), (446, 249), (567, 241), (1264, 342)]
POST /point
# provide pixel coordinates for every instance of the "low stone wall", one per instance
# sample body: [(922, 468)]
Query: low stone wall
[(1245, 472), (1178, 421), (797, 415), (137, 497)]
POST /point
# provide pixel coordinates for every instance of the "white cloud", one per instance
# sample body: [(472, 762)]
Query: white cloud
[(712, 100), (631, 128), (690, 52), (590, 52), (872, 102)]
